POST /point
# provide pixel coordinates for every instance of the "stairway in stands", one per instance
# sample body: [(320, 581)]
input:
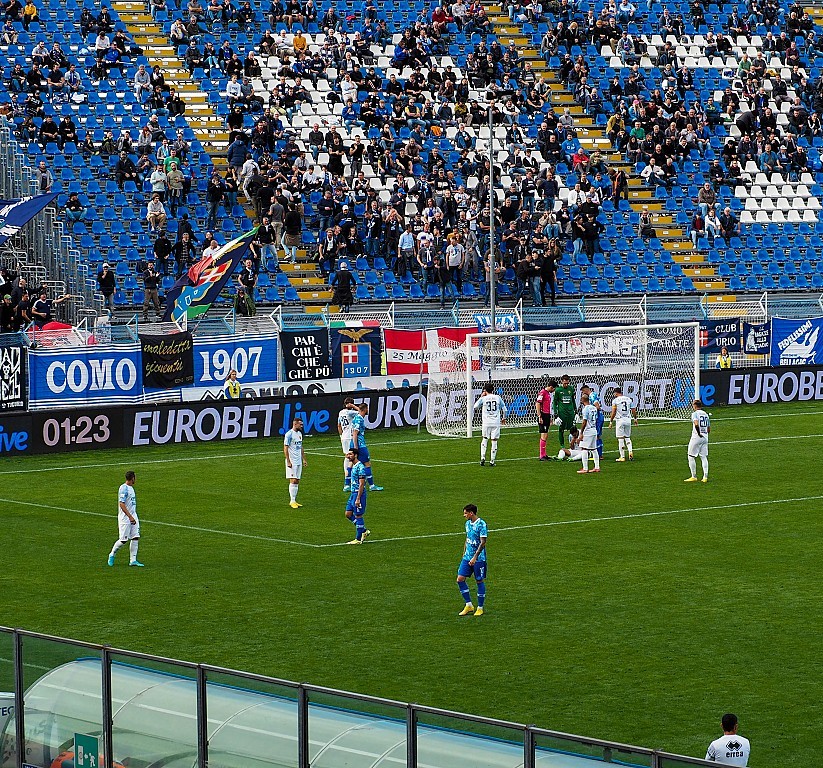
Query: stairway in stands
[(211, 131), (674, 238), (208, 127)]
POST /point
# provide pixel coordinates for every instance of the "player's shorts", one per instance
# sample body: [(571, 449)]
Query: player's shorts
[(699, 446), (363, 454), (491, 433), (544, 422), (128, 530), (589, 441), (294, 471), (346, 443), (352, 507), (478, 570), (576, 456), (623, 428)]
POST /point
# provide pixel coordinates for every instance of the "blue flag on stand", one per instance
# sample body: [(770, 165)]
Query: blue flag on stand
[(15, 214)]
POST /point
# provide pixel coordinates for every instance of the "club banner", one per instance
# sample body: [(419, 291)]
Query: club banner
[(356, 352), (13, 378), (505, 322), (168, 361), (762, 385), (193, 294), (757, 338), (15, 214), (99, 375), (716, 334), (253, 357), (305, 354), (796, 342)]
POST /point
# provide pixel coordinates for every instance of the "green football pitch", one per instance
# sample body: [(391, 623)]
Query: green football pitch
[(626, 605)]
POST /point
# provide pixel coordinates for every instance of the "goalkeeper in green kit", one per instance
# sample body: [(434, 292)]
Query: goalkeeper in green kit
[(565, 408)]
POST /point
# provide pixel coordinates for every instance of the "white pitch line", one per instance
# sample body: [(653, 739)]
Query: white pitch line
[(586, 520), (218, 531)]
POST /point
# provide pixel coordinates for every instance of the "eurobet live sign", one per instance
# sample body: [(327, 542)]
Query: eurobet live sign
[(86, 751)]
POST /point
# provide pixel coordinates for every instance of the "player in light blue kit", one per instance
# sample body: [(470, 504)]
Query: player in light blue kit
[(594, 399), (358, 434), (474, 561), (356, 505)]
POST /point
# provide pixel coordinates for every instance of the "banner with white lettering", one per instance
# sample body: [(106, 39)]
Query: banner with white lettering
[(100, 375), (762, 385), (253, 357), (716, 334), (796, 342), (306, 354), (757, 338), (13, 378)]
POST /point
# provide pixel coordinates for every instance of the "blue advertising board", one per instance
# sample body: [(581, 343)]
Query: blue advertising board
[(253, 357), (96, 375)]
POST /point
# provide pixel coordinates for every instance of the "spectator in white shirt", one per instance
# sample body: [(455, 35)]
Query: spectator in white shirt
[(156, 213)]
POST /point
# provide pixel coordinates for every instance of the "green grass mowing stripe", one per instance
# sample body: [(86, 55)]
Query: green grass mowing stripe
[(553, 523)]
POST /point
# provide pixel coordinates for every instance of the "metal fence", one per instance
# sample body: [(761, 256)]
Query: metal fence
[(43, 250), (153, 711)]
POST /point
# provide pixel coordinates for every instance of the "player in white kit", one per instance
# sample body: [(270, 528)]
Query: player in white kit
[(699, 443), (494, 414), (622, 416), (731, 748), (127, 521), (588, 442), (344, 430), (295, 460), (573, 452)]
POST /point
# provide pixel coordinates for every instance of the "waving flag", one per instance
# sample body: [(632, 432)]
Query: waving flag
[(193, 294), (15, 214)]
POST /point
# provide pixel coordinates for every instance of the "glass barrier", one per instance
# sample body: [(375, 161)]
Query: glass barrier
[(345, 732), (8, 741), (252, 724), (154, 713), (63, 697), (445, 741), (676, 761), (576, 752)]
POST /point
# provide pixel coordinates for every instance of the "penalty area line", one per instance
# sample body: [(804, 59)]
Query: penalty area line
[(587, 520)]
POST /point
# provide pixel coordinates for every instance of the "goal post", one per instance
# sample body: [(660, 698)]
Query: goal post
[(657, 366)]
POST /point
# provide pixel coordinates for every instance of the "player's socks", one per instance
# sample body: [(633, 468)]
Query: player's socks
[(596, 457), (481, 595), (133, 545), (621, 446), (542, 448), (561, 437), (494, 451), (117, 545), (693, 466), (629, 446), (293, 492), (483, 444), (704, 460), (464, 590), (360, 527)]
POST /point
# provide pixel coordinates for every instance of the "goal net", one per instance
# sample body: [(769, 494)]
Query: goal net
[(657, 366)]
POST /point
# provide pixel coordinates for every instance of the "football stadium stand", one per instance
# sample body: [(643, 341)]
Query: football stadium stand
[(667, 149)]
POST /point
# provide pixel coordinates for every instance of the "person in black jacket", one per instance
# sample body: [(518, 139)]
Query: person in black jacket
[(162, 251), (151, 284), (107, 284), (342, 283), (442, 277)]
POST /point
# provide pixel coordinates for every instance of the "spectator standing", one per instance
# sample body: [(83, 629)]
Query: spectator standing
[(41, 310), (162, 251), (151, 285), (292, 232), (107, 284)]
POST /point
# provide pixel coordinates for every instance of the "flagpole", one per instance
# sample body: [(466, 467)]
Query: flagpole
[(492, 194)]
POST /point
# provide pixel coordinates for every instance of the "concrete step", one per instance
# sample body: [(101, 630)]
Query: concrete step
[(701, 273), (709, 286), (314, 296)]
